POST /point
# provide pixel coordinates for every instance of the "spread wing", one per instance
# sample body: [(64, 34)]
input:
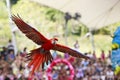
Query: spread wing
[(30, 32), (70, 51)]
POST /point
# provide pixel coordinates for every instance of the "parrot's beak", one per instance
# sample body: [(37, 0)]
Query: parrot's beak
[(54, 40)]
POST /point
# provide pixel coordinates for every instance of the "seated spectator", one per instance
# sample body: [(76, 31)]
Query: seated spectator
[(109, 73), (4, 53), (11, 56), (1, 74), (102, 75), (23, 54), (10, 45)]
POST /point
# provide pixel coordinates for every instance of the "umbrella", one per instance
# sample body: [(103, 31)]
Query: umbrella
[(95, 13)]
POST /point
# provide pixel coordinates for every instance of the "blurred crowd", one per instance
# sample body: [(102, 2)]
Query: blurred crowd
[(14, 67)]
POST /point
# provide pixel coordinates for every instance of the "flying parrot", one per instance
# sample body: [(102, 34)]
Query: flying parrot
[(38, 57)]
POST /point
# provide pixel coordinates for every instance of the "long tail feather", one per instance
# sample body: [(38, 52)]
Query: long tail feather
[(35, 65), (33, 60), (38, 59), (40, 62)]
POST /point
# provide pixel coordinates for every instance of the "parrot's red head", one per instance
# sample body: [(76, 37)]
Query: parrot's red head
[(55, 39)]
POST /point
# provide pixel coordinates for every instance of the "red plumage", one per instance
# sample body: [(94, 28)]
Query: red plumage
[(42, 55)]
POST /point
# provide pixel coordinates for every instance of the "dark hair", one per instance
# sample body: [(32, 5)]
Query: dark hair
[(1, 68), (7, 78)]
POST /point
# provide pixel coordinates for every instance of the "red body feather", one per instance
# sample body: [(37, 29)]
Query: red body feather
[(48, 45)]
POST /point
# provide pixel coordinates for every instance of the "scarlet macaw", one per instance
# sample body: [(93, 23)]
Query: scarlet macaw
[(42, 54)]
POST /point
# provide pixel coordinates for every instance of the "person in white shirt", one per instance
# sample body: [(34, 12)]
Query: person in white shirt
[(109, 74)]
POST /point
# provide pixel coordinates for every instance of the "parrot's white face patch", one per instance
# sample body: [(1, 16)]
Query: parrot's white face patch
[(54, 41)]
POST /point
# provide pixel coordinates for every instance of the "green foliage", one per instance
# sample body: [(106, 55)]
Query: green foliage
[(78, 28), (53, 15), (104, 31), (3, 10), (13, 2), (108, 30), (4, 26)]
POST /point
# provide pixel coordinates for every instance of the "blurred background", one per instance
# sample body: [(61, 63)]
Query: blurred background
[(89, 25)]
